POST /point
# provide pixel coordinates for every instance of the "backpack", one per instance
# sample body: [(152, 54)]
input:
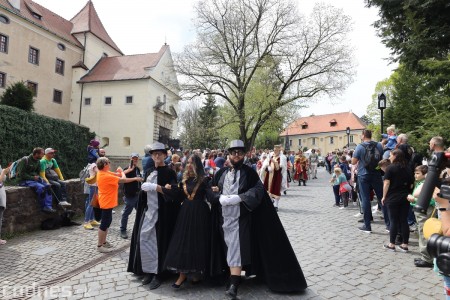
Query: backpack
[(13, 168), (346, 171), (84, 174), (372, 156)]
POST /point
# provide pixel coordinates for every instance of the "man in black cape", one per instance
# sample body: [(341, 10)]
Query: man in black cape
[(247, 232), (155, 221)]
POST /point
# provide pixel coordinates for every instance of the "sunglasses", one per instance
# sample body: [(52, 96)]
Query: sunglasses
[(237, 152)]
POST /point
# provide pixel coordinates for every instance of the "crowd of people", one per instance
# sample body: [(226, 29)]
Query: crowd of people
[(202, 215), (209, 203)]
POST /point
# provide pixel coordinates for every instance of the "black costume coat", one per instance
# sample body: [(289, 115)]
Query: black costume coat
[(167, 216), (265, 248)]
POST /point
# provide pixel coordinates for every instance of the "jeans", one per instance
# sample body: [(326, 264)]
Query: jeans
[(337, 197), (89, 214), (411, 217), (365, 184), (59, 187), (42, 189), (130, 203), (447, 287)]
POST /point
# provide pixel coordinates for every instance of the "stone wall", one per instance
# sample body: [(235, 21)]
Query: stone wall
[(23, 210)]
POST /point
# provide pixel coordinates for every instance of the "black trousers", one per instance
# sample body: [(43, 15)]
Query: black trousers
[(398, 217)]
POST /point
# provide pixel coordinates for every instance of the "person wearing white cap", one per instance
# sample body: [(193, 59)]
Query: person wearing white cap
[(51, 173), (247, 232), (155, 221)]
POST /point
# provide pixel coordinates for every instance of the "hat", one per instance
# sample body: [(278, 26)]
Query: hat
[(236, 144), (134, 154), (157, 146), (49, 150), (94, 143)]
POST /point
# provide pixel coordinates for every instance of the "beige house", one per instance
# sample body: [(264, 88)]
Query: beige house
[(324, 133), (78, 73)]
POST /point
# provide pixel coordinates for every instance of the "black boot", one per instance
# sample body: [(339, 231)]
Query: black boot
[(147, 279), (231, 292), (304, 182)]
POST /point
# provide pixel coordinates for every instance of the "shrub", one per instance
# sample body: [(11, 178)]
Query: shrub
[(22, 131), (18, 95)]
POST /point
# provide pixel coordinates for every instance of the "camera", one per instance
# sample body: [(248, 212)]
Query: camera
[(438, 246), (438, 162)]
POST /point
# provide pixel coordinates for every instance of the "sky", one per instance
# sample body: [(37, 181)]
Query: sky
[(143, 26)]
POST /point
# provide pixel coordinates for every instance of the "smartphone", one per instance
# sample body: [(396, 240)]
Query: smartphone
[(131, 164)]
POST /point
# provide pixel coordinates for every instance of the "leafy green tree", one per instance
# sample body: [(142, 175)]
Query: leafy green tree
[(415, 29), (18, 95), (306, 57), (208, 118)]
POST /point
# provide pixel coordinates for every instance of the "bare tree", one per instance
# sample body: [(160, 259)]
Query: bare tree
[(237, 38)]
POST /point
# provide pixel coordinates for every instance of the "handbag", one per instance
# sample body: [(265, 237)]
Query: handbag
[(344, 187), (50, 174), (432, 225), (94, 201)]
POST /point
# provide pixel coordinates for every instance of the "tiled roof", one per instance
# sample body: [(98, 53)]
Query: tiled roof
[(126, 67), (87, 20), (321, 123), (49, 20)]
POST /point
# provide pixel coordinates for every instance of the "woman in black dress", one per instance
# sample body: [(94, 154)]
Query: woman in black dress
[(189, 250)]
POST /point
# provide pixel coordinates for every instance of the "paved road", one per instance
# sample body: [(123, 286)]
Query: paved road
[(339, 261)]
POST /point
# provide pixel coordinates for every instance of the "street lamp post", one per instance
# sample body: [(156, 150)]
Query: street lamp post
[(381, 106), (347, 131), (287, 147)]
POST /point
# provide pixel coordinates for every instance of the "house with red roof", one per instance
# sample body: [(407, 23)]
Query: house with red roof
[(78, 73), (324, 133)]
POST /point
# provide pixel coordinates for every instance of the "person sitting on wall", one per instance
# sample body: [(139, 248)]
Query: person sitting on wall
[(28, 170), (51, 173)]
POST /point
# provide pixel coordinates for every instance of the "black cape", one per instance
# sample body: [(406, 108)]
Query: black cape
[(167, 216), (265, 248)]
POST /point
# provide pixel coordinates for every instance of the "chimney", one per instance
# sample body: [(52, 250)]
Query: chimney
[(15, 3)]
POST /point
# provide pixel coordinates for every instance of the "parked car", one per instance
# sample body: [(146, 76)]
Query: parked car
[(321, 162)]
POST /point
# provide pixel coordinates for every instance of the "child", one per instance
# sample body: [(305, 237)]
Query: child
[(343, 186), (391, 140)]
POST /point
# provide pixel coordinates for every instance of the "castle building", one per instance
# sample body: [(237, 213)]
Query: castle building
[(78, 73)]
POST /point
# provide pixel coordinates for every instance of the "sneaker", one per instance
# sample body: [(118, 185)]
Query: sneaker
[(123, 234), (2, 242), (103, 249), (107, 245), (343, 207), (387, 247), (412, 228), (402, 248), (48, 210), (95, 223), (88, 226), (387, 229), (358, 215), (65, 203), (113, 211), (364, 229)]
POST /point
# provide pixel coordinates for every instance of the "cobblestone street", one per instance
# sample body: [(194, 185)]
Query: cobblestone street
[(339, 262)]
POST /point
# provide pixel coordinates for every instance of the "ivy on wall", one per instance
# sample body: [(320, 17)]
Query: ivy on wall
[(21, 131)]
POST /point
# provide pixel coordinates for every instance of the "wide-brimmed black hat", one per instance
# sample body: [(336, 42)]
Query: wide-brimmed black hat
[(236, 144), (157, 146)]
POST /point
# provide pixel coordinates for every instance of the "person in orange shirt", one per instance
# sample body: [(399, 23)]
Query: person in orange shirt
[(108, 193)]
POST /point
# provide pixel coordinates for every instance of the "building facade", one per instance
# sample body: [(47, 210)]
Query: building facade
[(325, 133), (78, 73)]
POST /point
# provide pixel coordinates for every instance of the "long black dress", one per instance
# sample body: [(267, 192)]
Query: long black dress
[(189, 248)]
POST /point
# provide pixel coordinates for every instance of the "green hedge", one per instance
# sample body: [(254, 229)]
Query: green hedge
[(21, 131)]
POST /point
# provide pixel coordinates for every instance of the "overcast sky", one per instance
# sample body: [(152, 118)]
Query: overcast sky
[(142, 26)]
